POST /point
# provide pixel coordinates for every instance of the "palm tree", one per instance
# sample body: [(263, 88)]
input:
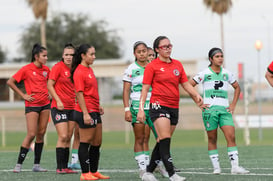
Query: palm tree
[(220, 7), (39, 8)]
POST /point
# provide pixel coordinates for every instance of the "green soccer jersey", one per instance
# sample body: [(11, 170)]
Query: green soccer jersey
[(134, 75), (215, 86)]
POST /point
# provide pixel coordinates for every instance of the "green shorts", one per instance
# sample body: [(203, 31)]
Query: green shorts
[(217, 115), (147, 121)]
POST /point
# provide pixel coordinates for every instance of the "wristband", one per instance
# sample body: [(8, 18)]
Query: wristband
[(126, 109)]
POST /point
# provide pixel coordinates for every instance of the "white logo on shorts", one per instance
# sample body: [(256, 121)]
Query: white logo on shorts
[(208, 125), (58, 117), (156, 106), (94, 122)]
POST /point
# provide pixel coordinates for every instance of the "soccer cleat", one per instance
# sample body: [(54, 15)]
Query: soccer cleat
[(141, 172), (148, 176), (75, 166), (17, 168), (176, 177), (38, 168), (60, 171), (239, 170), (100, 176), (88, 176), (69, 171), (217, 171)]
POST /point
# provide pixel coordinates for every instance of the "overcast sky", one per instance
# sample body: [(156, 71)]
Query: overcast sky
[(192, 28)]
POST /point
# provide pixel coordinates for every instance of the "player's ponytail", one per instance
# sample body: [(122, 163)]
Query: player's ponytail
[(77, 58)]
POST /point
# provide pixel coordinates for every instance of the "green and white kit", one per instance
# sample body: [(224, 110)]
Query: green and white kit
[(215, 90), (134, 75)]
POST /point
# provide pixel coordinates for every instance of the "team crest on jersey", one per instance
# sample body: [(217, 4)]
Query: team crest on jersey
[(44, 73), (90, 76), (176, 72), (58, 117)]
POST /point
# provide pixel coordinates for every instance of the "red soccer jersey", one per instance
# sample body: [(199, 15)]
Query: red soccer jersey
[(270, 68), (64, 88), (35, 80), (86, 82), (164, 79)]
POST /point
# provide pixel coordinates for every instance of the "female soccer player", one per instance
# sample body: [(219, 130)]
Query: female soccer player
[(87, 112), (37, 104), (63, 102), (164, 75), (151, 54), (216, 109), (132, 85), (160, 167)]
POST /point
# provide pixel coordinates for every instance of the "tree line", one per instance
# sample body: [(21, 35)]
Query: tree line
[(64, 28)]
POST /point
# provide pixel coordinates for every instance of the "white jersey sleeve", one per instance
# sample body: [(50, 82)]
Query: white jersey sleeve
[(199, 78), (127, 76)]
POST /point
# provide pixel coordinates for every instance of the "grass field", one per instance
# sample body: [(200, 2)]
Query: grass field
[(189, 151)]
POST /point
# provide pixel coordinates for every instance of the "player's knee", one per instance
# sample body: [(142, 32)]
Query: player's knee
[(212, 140), (139, 141), (146, 140), (31, 136), (231, 139), (63, 138)]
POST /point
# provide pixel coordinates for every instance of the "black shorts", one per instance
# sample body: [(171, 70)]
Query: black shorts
[(36, 109), (96, 119), (59, 116), (163, 111)]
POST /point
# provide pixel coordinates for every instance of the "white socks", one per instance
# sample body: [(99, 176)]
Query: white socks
[(234, 159), (74, 158), (141, 161), (215, 161)]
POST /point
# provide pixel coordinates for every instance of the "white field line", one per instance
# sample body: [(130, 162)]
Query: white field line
[(184, 171)]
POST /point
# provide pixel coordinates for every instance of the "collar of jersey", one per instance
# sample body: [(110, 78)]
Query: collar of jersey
[(215, 72)]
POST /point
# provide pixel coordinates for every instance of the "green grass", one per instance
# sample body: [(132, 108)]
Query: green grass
[(189, 150)]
